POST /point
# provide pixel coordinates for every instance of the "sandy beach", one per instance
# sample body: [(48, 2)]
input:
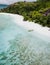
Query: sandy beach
[(18, 19)]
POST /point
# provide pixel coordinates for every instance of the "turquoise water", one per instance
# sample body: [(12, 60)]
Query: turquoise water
[(18, 46)]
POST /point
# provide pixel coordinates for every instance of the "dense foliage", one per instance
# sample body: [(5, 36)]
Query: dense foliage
[(32, 11)]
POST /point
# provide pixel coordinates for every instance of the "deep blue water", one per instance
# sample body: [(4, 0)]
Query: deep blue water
[(3, 6), (21, 47)]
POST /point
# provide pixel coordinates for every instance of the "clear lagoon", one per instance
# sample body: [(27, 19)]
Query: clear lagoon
[(19, 46)]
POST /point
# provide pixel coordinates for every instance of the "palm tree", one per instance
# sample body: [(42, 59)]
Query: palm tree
[(24, 0)]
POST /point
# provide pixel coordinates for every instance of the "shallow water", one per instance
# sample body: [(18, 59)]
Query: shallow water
[(21, 47)]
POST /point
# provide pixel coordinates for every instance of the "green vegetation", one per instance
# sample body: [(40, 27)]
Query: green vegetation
[(32, 11)]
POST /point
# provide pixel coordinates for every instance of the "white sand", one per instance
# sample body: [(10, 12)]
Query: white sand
[(29, 25)]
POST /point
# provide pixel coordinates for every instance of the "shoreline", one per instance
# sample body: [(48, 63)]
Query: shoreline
[(18, 19)]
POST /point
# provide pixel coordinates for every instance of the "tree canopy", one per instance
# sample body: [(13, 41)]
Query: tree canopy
[(32, 11)]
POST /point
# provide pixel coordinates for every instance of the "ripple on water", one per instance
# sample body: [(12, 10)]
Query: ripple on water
[(20, 47)]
